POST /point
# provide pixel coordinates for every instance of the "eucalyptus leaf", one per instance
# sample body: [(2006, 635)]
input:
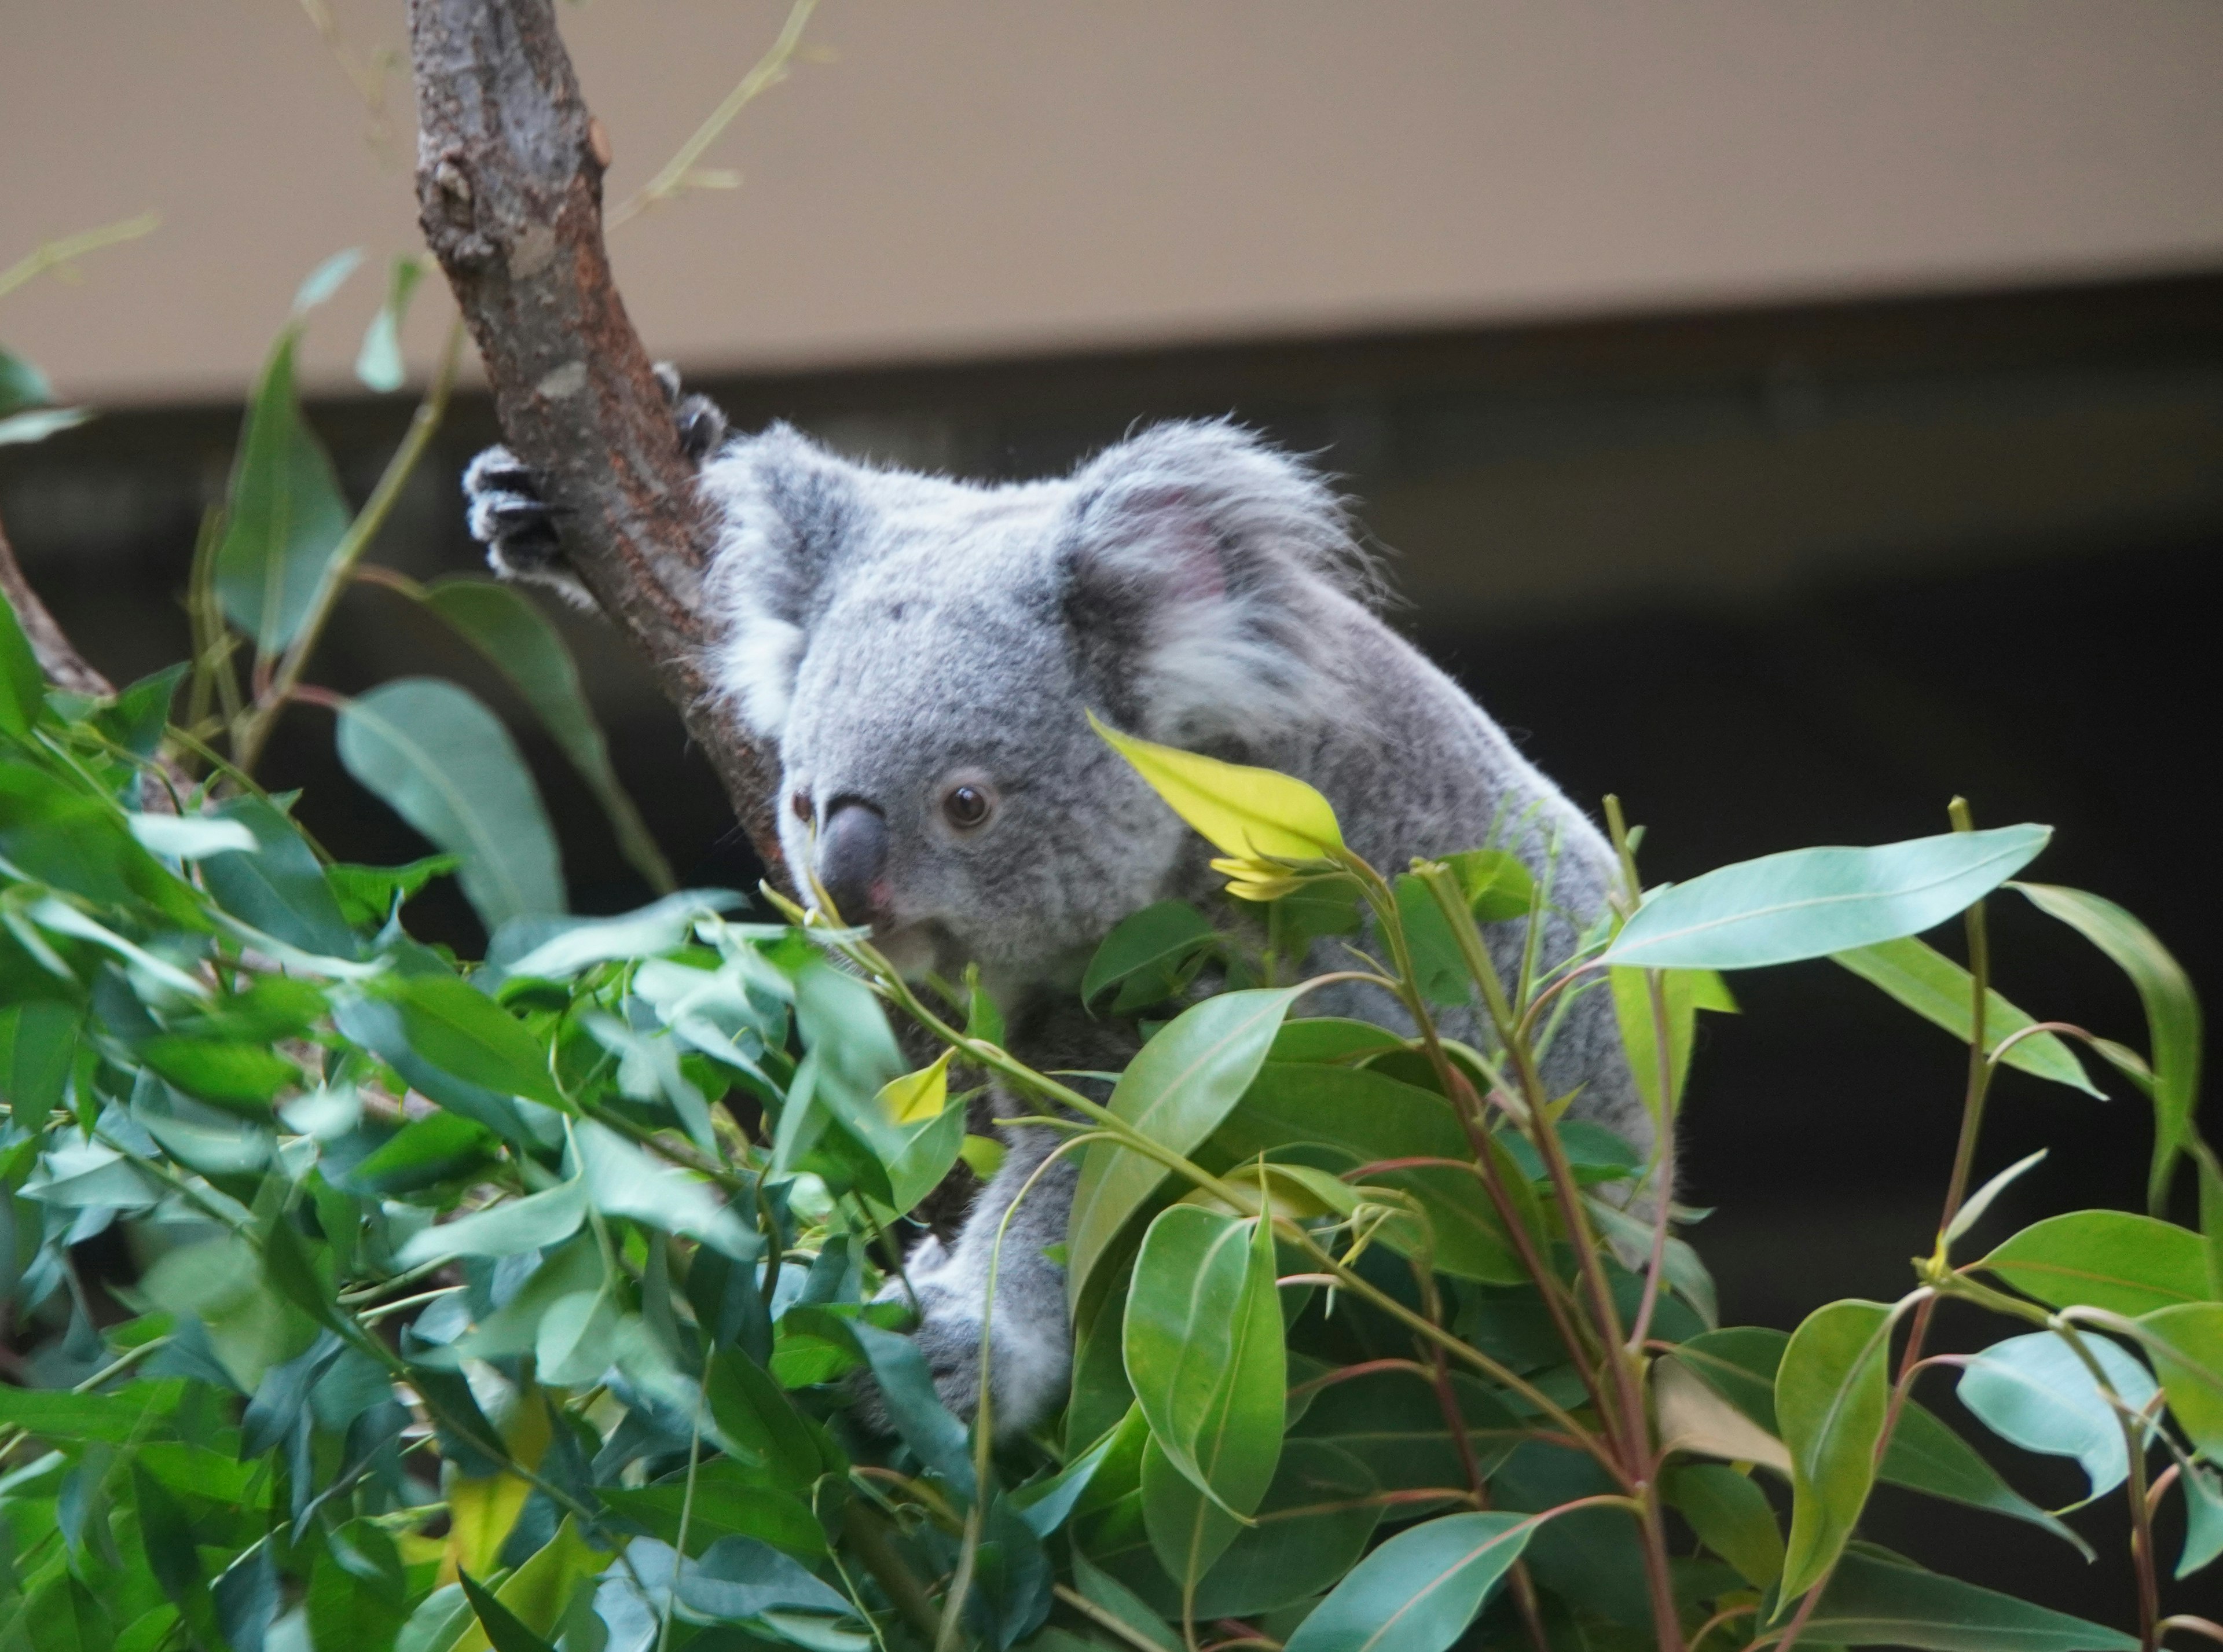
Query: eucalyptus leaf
[(1418, 1591), (503, 624), (1939, 991), (2126, 1263), (1874, 1601), (285, 517), (1831, 1392), (2034, 1392), (439, 759), (2172, 1015), (1816, 902), (1175, 1091)]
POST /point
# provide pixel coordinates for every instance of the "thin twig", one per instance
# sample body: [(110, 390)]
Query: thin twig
[(60, 255), (769, 71)]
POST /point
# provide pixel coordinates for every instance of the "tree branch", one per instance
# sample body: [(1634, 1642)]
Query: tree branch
[(57, 655), (509, 189)]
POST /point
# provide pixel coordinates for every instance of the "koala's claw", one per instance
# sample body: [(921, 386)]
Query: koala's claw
[(507, 515), (701, 422)]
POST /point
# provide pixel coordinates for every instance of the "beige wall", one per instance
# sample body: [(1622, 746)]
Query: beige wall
[(1007, 175)]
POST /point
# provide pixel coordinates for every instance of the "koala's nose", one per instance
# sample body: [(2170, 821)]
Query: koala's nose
[(853, 860)]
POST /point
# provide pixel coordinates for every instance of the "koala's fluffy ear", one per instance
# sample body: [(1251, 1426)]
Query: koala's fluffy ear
[(1201, 563), (787, 508)]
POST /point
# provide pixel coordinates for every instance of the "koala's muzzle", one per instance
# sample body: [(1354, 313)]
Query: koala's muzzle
[(852, 861)]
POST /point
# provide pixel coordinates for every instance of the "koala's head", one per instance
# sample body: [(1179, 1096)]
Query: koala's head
[(921, 654)]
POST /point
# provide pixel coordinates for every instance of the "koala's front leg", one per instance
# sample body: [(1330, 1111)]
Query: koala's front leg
[(509, 513), (1032, 1360)]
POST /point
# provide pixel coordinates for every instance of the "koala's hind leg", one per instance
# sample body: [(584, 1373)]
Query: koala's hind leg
[(509, 513)]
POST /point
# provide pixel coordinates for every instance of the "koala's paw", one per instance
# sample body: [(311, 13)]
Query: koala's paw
[(508, 515), (700, 421)]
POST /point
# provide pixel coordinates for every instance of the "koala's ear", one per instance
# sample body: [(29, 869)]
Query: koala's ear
[(1201, 563), (786, 509)]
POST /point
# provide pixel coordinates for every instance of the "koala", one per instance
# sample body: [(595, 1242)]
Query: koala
[(920, 652)]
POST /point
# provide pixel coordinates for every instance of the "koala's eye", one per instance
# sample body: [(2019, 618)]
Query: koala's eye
[(966, 807), (799, 805)]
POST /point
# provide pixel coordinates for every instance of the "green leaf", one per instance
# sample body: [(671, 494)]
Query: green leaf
[(1816, 902), (1831, 1391), (378, 364), (1419, 1591), (1361, 1111), (190, 837), (37, 1042), (279, 889), (507, 1228), (503, 624), (1313, 1523), (461, 1031), (2172, 1015), (167, 1538), (40, 423), (23, 684), (442, 761), (728, 1501), (1939, 991), (503, 1630), (1439, 966), (626, 1180), (366, 894), (131, 1412), (22, 384), (1973, 1208), (1149, 957), (1925, 1455), (422, 1152), (245, 1078), (571, 947), (2127, 1264), (285, 516), (1497, 885), (2186, 1345), (1731, 1515), (1183, 1321), (739, 1579), (2203, 1518), (1175, 1091), (935, 1437), (325, 280), (64, 1615), (758, 1426), (1876, 1602), (2035, 1392), (1686, 992), (1199, 1483)]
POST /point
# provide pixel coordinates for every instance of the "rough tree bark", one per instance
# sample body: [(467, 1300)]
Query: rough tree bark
[(57, 656), (509, 189)]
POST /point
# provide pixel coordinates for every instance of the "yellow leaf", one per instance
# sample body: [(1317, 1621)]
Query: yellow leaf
[(1693, 1417), (482, 1510), (918, 1096), (538, 1592), (1257, 880), (1245, 812)]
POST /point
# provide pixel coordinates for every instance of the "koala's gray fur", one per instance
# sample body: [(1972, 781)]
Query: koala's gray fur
[(891, 635)]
